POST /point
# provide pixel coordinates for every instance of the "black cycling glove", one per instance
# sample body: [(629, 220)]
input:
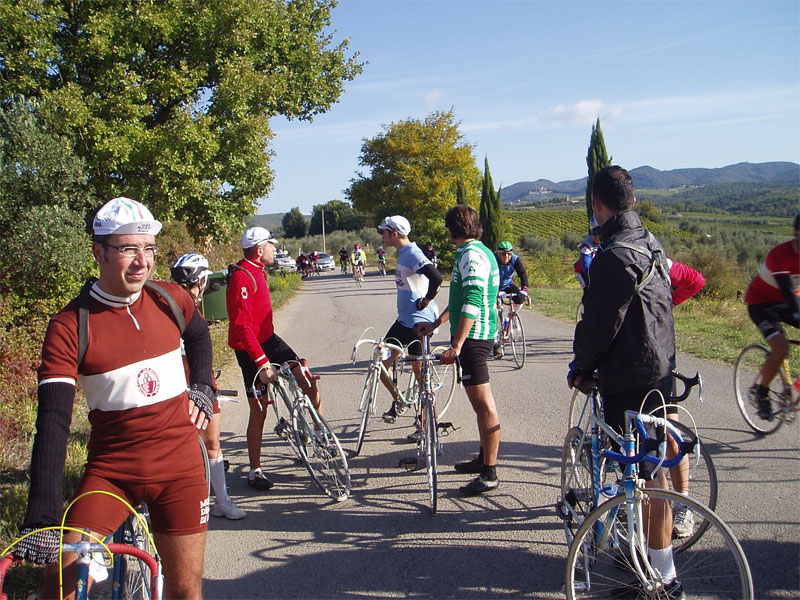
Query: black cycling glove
[(40, 548), (203, 398)]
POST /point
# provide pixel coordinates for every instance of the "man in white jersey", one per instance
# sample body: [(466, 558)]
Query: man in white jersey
[(417, 281)]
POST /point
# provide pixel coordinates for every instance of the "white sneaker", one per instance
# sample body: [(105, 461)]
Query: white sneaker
[(683, 521), (228, 510)]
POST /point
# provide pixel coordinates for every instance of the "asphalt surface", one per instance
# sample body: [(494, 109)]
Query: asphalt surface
[(383, 541)]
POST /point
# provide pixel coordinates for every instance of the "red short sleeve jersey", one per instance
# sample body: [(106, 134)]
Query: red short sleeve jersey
[(134, 382), (781, 260)]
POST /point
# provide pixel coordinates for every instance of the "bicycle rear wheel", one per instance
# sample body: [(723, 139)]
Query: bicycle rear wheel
[(745, 381), (701, 474), (517, 338), (600, 561), (321, 451), (367, 405), (134, 577), (430, 437), (577, 481)]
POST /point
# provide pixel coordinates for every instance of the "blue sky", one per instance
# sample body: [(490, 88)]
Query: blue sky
[(675, 84)]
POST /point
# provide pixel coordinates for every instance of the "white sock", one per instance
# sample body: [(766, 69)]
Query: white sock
[(217, 469), (661, 560), (252, 474)]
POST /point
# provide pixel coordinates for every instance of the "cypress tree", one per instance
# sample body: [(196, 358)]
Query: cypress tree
[(491, 212), (461, 190), (596, 159)]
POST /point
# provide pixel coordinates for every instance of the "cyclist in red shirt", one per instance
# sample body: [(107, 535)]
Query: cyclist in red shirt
[(252, 336), (772, 299)]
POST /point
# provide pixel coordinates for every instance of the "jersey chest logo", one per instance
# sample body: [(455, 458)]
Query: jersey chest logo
[(148, 383)]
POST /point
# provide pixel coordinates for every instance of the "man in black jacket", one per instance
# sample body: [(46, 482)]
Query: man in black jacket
[(627, 334)]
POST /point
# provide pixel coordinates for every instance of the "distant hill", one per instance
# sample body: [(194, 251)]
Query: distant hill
[(647, 177)]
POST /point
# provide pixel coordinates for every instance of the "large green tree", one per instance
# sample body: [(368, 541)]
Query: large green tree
[(491, 211), (596, 159), (294, 224), (339, 215), (414, 169), (170, 101)]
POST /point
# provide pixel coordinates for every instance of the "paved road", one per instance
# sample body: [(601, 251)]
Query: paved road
[(382, 542)]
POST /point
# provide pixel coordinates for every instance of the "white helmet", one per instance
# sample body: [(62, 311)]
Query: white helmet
[(190, 269)]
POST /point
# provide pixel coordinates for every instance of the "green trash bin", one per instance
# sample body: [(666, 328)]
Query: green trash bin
[(213, 304)]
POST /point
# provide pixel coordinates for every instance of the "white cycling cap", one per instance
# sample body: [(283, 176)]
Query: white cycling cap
[(122, 216), (396, 223), (255, 236)]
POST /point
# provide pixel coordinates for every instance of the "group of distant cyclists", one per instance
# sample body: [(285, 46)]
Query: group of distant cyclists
[(145, 363)]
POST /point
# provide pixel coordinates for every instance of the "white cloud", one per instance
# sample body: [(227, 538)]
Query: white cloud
[(434, 97), (584, 112)]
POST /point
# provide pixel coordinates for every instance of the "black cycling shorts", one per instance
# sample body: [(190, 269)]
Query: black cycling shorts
[(474, 366), (768, 317), (275, 349), (407, 336)]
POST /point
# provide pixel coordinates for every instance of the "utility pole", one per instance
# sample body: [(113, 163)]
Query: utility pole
[(323, 231)]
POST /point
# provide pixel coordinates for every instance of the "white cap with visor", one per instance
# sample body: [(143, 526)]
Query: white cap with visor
[(124, 216)]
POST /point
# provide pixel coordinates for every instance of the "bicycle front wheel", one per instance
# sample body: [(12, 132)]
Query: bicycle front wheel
[(321, 451), (367, 405), (430, 437), (517, 338), (600, 562), (745, 381), (134, 578), (443, 384)]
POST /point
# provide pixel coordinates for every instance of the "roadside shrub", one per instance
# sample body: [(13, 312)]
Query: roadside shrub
[(571, 239), (550, 270), (535, 244), (724, 278)]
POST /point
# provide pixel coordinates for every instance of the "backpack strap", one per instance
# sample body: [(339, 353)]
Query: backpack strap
[(654, 254), (83, 313), (235, 267)]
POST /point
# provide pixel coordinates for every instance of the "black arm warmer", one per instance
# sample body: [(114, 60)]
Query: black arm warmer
[(785, 284), (522, 272), (434, 280), (197, 343), (45, 504)]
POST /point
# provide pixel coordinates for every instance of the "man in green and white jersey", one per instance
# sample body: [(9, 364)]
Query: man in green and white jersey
[(473, 293)]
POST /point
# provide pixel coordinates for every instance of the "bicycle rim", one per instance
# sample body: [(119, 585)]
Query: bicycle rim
[(517, 337), (367, 406), (135, 578), (745, 378), (321, 451), (443, 383), (280, 390), (599, 562), (431, 437), (577, 481), (580, 410), (702, 487), (206, 465)]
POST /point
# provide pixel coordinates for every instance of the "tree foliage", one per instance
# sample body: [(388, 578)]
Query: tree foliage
[(414, 169), (170, 101), (339, 215), (491, 211), (596, 159), (294, 224)]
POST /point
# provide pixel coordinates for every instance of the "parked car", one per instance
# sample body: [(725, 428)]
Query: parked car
[(325, 262), (284, 262)]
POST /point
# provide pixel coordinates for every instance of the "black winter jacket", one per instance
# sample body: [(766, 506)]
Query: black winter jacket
[(628, 337)]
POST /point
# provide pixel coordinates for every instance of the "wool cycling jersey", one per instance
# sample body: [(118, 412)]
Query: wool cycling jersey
[(411, 286), (134, 382), (781, 260), (249, 311), (473, 290)]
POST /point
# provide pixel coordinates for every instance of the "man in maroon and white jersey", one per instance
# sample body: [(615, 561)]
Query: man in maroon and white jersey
[(143, 445), (772, 299)]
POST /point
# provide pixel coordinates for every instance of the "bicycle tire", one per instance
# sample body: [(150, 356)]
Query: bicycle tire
[(321, 451), (579, 410), (279, 390), (135, 578), (516, 335), (577, 481), (367, 405), (430, 435), (715, 567), (745, 377), (702, 487), (443, 384), (206, 465)]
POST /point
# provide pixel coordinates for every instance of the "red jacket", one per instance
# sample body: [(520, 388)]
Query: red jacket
[(249, 311), (686, 282)]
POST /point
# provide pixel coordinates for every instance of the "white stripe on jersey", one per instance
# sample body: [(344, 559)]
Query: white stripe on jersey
[(139, 384)]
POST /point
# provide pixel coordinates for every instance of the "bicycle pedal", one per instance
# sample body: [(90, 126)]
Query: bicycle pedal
[(409, 464)]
